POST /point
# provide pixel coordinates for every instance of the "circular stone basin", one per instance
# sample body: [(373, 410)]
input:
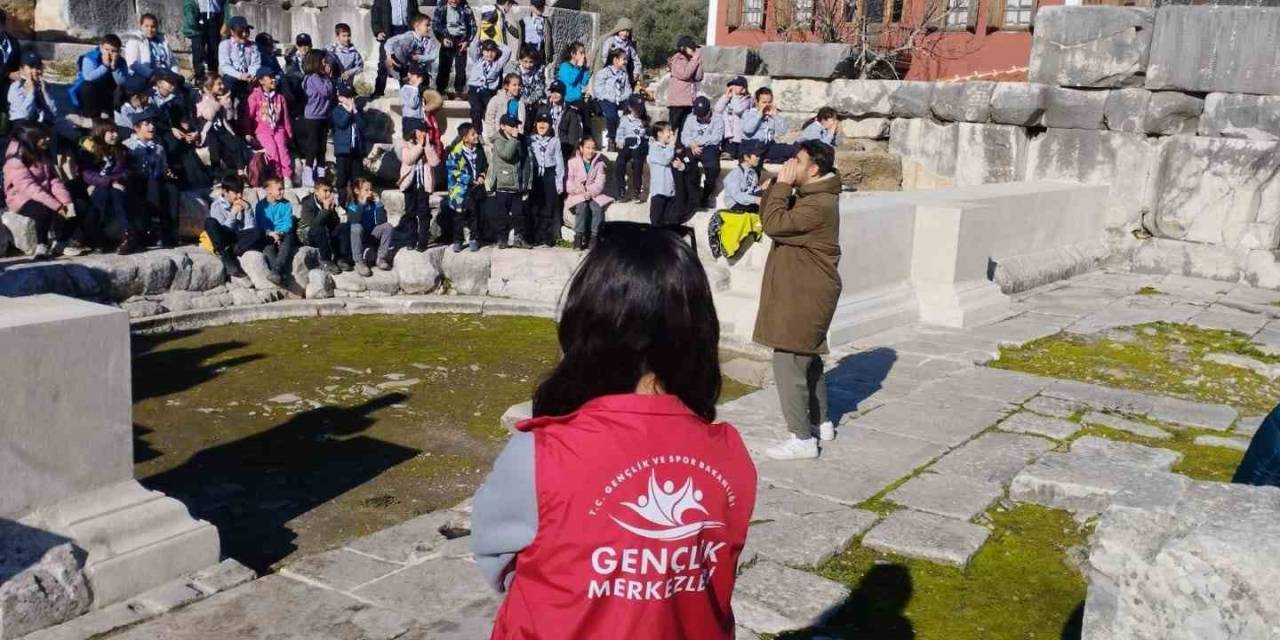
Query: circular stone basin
[(292, 436)]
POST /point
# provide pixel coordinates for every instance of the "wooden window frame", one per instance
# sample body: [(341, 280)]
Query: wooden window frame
[(1001, 8)]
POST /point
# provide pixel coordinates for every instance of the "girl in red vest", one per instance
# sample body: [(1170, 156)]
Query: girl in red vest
[(620, 509)]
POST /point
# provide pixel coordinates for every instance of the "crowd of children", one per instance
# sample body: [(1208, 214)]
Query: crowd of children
[(526, 159)]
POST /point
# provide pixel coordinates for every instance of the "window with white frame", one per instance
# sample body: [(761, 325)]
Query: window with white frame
[(958, 14), (753, 13), (802, 12), (1018, 13)]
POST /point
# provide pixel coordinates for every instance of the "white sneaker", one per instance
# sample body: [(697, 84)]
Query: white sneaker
[(826, 432), (41, 252), (794, 448)]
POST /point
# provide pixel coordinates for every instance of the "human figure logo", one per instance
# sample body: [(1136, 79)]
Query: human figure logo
[(665, 507)]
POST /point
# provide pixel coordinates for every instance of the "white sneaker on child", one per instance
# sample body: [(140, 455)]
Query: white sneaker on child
[(794, 448), (825, 432)]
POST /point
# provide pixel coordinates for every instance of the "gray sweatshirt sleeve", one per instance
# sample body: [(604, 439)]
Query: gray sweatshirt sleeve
[(504, 516)]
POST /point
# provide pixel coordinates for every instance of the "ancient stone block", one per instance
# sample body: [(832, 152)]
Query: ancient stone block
[(1171, 113), (928, 152), (467, 272), (946, 495), (1199, 564), (805, 96), (741, 61), (806, 60), (1025, 422), (1018, 103), (1126, 110), (22, 231), (962, 101), (539, 275), (42, 580), (927, 536), (830, 533), (1090, 46), (1208, 48), (912, 99), (86, 19), (1122, 161), (989, 153), (569, 26), (1074, 108), (867, 128), (418, 271), (862, 97), (770, 598), (1218, 191), (1236, 115), (1128, 426), (1126, 454)]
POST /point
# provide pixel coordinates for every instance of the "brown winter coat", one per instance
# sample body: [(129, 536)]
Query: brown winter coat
[(801, 283)]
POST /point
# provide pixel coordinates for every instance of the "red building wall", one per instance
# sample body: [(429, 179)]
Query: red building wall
[(945, 54)]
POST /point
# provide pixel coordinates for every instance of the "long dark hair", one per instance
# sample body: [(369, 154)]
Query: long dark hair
[(639, 303), (28, 137)]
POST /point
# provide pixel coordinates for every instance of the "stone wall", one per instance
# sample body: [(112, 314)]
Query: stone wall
[(1175, 109)]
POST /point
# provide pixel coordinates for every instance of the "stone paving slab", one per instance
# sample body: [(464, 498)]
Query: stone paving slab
[(993, 457), (1071, 302), (1247, 426), (771, 598), (275, 608), (1123, 282), (806, 541), (1239, 444), (1055, 407), (1101, 397), (1034, 424), (1022, 329), (1218, 417), (927, 536), (341, 569), (1124, 424), (1246, 323), (947, 495), (1128, 454), (1002, 387), (1080, 484), (944, 425), (410, 541), (1126, 315), (774, 503), (857, 465), (433, 590)]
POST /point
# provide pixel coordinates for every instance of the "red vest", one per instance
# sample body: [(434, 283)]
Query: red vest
[(643, 509)]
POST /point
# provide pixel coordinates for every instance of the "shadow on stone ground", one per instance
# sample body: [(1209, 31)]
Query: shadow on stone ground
[(1074, 628), (874, 611), (251, 488), (185, 368), (857, 378)]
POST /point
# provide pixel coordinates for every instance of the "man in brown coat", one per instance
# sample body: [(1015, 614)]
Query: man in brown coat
[(800, 290)]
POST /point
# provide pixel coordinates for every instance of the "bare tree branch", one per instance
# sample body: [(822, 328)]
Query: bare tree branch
[(882, 48)]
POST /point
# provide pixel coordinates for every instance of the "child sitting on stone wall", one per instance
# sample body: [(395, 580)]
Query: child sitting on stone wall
[(824, 127)]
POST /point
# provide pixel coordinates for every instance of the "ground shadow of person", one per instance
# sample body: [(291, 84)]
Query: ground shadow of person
[(856, 378), (1073, 629), (874, 611), (252, 488)]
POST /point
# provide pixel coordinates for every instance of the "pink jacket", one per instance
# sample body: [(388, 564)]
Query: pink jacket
[(257, 118), (409, 156), (686, 74), (582, 185), (40, 183)]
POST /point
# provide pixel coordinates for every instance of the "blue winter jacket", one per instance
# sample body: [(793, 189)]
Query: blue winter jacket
[(273, 216), (369, 215), (90, 69), (347, 137)]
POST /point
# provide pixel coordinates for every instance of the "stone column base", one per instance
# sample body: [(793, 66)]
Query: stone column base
[(134, 538), (963, 304)]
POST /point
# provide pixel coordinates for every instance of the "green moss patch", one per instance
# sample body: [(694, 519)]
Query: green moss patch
[(1160, 357), (1020, 586)]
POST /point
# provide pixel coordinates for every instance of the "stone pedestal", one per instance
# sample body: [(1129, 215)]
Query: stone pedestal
[(66, 463)]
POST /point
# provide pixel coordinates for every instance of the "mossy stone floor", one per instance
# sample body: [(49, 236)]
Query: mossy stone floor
[(1020, 586), (295, 435), (1161, 357)]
